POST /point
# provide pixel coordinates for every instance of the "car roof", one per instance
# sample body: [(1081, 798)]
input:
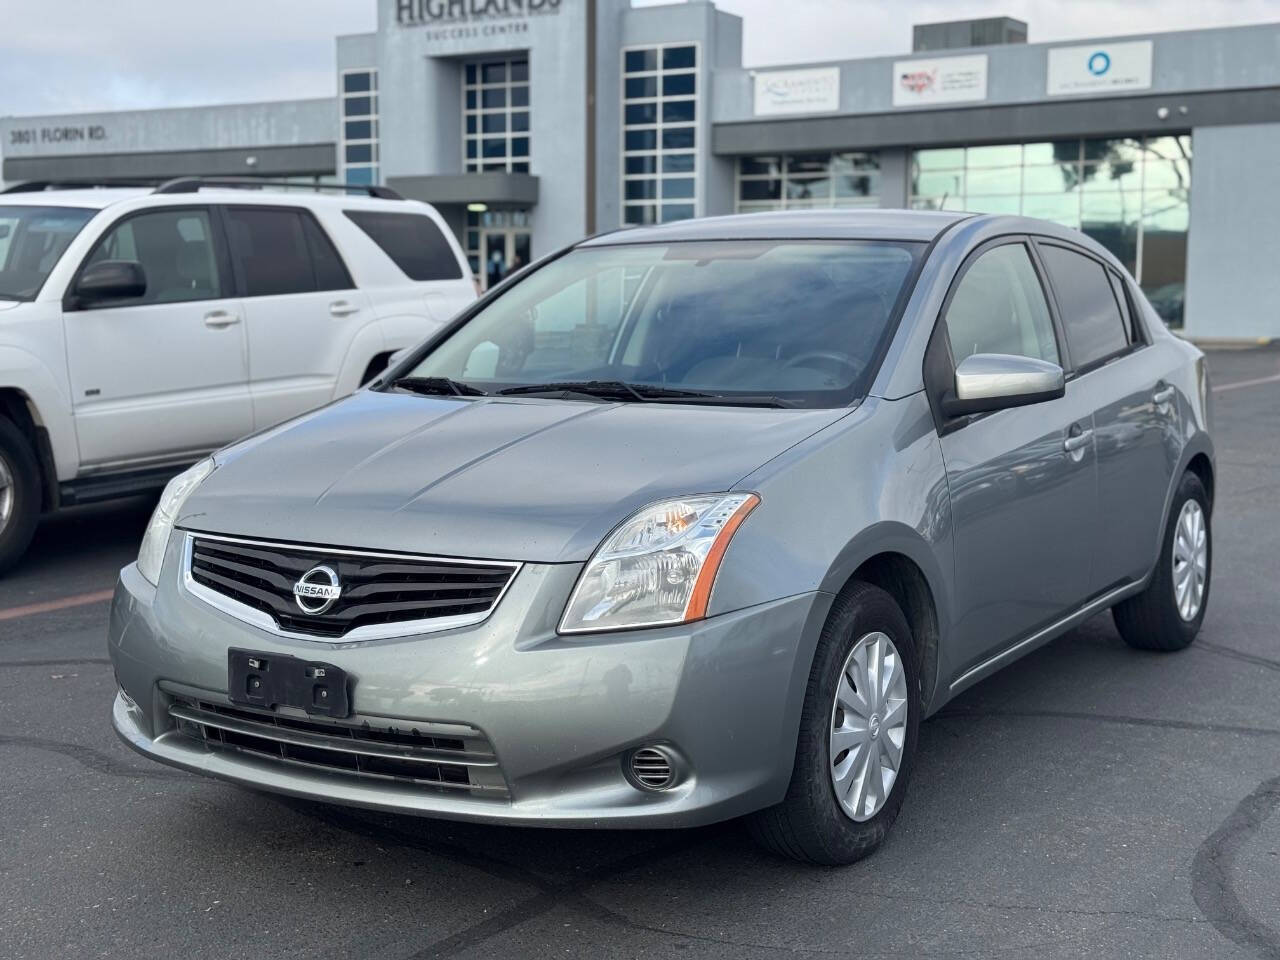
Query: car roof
[(919, 225), (95, 198)]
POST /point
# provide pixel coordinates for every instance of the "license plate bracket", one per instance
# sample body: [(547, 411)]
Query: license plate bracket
[(270, 680)]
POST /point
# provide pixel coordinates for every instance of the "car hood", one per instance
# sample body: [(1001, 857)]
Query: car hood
[(520, 479)]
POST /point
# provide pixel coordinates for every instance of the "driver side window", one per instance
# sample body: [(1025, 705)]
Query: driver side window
[(1000, 307), (175, 248)]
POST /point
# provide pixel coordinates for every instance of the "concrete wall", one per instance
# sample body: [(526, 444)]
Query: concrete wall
[(1226, 58), (1233, 286)]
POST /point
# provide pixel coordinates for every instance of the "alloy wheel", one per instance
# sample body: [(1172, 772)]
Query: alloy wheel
[(868, 726), (1190, 560)]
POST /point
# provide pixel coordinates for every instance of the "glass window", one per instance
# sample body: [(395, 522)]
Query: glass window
[(661, 123), (640, 60), (176, 251), (999, 307), (808, 180), (413, 241), (357, 106), (1090, 315), (496, 102), (32, 240), (270, 252), (359, 151), (356, 82), (330, 272), (359, 130), (719, 317)]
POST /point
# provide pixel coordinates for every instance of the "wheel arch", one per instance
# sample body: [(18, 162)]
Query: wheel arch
[(22, 412)]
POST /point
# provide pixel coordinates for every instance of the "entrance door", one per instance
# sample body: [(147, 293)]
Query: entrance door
[(502, 252)]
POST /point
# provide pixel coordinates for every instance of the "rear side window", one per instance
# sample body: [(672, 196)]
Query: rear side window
[(413, 242), (1090, 314), (999, 307), (282, 251)]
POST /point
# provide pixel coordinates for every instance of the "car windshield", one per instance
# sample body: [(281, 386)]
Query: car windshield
[(785, 323), (31, 241)]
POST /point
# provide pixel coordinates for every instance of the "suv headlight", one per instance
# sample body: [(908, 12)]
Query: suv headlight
[(154, 541), (658, 567)]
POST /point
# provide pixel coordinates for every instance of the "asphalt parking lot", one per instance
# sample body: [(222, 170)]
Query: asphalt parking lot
[(1088, 801)]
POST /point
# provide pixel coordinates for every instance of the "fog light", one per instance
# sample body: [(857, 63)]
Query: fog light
[(652, 768)]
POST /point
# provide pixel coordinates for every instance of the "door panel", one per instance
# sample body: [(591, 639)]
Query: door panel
[(165, 374), (301, 309), (1024, 513), (1137, 433), (1023, 480)]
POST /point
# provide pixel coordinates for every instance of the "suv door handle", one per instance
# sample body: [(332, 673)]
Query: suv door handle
[(1162, 396), (341, 308), (1077, 440), (217, 319)]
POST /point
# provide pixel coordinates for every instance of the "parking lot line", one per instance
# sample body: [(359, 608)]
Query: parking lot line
[(48, 606), (1256, 382)]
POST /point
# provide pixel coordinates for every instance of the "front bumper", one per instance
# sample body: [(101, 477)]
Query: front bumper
[(560, 713)]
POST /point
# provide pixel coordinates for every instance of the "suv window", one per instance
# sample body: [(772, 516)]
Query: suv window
[(1000, 307), (1090, 315), (278, 251), (412, 241), (176, 251), (32, 240)]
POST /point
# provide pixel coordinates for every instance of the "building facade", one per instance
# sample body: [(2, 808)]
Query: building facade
[(531, 123)]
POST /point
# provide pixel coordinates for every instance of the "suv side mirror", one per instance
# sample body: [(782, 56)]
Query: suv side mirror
[(994, 381), (111, 280)]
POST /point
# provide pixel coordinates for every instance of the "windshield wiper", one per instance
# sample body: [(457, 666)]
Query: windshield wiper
[(645, 393), (607, 389), (437, 386)]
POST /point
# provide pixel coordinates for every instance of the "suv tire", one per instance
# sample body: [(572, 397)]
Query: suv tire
[(19, 494), (812, 823), (1163, 616)]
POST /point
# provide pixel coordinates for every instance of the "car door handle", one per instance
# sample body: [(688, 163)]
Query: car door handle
[(1162, 396), (1077, 440), (341, 308), (217, 319)]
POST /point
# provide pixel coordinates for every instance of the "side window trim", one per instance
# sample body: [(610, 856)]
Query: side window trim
[(1073, 371), (221, 253), (939, 361)]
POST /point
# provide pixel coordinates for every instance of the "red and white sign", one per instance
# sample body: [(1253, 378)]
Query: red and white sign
[(918, 83)]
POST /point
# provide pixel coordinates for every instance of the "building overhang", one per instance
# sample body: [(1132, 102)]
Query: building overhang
[(497, 190), (997, 123)]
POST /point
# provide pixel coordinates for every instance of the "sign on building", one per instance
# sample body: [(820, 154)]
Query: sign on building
[(1099, 68), (919, 83), (797, 91)]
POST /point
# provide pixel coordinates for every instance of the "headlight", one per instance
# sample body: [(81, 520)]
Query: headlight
[(659, 566), (154, 541)]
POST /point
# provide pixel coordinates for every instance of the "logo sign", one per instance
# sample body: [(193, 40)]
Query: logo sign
[(918, 83), (780, 92), (1101, 68), (415, 13), (317, 590)]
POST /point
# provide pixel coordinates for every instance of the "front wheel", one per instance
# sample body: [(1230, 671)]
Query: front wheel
[(19, 494), (857, 740), (1167, 615)]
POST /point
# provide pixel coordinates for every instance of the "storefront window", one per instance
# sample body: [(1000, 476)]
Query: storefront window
[(495, 116), (497, 244), (660, 134), (1131, 194), (807, 180), (359, 157)]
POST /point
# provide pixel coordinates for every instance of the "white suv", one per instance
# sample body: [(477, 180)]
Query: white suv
[(140, 329)]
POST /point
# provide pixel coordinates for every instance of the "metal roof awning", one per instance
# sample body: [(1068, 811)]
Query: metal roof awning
[(499, 190)]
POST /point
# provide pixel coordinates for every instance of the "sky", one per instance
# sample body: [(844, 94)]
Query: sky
[(87, 55)]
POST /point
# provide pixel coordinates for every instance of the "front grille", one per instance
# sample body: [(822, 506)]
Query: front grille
[(461, 759), (377, 590)]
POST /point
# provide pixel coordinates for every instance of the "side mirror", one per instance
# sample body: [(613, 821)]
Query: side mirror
[(994, 381), (111, 280)]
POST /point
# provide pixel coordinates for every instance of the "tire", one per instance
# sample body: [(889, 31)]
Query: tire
[(1153, 620), (811, 824), (19, 494)]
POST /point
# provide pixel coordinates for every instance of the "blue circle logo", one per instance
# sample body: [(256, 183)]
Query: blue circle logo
[(1099, 63)]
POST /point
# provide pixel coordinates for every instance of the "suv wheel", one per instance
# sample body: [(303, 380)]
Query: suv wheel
[(857, 738), (19, 494), (1167, 615)]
